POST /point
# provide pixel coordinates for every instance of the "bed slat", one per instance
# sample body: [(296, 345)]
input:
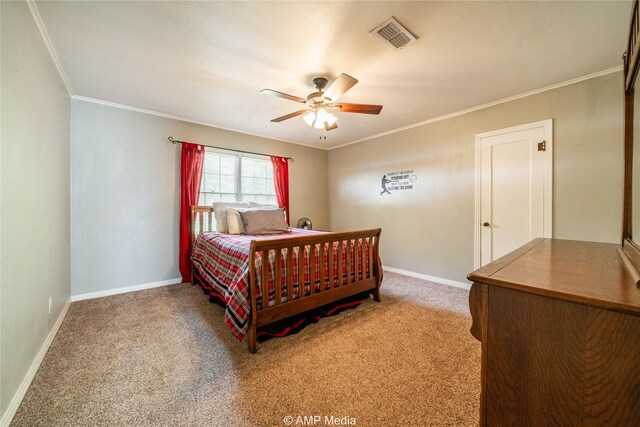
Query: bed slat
[(289, 274), (323, 275), (265, 279), (312, 269), (301, 271), (370, 256), (348, 256), (277, 280), (363, 252), (331, 272), (340, 278), (356, 268)]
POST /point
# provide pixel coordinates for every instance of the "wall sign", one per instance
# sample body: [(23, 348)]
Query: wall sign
[(397, 181)]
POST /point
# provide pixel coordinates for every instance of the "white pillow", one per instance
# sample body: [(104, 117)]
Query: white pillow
[(234, 220), (220, 213)]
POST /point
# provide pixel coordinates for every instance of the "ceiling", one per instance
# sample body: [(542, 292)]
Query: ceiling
[(207, 61)]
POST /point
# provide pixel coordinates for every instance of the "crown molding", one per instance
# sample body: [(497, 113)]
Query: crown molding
[(47, 41), (483, 106), (184, 119)]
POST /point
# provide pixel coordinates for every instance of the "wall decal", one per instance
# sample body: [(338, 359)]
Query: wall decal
[(401, 180)]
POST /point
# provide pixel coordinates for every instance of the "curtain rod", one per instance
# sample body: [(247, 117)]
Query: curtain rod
[(175, 141)]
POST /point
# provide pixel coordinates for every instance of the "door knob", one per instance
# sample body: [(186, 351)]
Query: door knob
[(486, 224)]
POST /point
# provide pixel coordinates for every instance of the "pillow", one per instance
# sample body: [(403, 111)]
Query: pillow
[(265, 205), (265, 221), (220, 213), (234, 221)]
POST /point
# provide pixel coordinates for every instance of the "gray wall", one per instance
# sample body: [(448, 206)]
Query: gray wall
[(35, 243), (429, 230), (125, 192)]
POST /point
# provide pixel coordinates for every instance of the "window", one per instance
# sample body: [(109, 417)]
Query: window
[(236, 178)]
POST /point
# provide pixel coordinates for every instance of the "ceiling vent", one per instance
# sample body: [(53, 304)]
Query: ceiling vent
[(394, 34)]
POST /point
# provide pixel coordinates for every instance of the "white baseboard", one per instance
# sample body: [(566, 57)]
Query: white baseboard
[(429, 278), (31, 373), (126, 289)]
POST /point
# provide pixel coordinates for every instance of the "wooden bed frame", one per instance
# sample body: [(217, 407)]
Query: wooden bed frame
[(339, 288)]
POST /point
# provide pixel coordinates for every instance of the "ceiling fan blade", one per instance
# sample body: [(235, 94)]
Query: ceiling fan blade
[(360, 108), (342, 84), (332, 127), (289, 116), (283, 95)]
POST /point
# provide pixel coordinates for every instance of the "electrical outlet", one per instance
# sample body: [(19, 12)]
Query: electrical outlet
[(50, 304)]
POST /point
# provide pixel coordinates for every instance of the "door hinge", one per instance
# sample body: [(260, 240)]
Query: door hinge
[(542, 146)]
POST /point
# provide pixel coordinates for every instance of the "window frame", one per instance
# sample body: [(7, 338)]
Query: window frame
[(238, 157)]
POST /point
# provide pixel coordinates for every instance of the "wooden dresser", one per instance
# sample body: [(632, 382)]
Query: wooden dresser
[(559, 322)]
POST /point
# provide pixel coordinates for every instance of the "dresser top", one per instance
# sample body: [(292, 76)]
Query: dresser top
[(583, 272)]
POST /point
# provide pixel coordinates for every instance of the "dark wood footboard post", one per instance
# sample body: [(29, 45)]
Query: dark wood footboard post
[(253, 315), (377, 267), (376, 294), (252, 343)]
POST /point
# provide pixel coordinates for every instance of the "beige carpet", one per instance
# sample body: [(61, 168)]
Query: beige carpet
[(163, 357)]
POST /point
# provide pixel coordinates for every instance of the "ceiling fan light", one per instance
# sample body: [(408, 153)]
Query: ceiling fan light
[(324, 117), (320, 118), (309, 117)]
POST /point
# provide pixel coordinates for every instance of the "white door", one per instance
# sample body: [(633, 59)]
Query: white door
[(513, 188)]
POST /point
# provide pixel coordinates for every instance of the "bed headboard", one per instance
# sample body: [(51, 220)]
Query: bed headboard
[(201, 220)]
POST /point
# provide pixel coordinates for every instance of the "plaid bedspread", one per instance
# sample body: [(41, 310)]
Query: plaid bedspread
[(222, 260)]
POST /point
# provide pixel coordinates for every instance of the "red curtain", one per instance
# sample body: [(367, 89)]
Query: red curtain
[(281, 181), (190, 176)]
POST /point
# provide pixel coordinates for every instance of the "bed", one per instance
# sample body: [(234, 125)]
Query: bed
[(344, 264)]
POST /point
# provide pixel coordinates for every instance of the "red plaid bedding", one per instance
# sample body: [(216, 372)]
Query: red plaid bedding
[(222, 261)]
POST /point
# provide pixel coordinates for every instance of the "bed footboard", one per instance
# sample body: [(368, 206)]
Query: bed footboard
[(358, 270)]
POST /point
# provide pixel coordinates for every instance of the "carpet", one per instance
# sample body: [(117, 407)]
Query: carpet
[(163, 357)]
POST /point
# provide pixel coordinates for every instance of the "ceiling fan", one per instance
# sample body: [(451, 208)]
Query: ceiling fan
[(322, 103)]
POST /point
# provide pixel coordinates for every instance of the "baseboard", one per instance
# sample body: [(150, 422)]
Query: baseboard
[(31, 373), (126, 289), (429, 278)]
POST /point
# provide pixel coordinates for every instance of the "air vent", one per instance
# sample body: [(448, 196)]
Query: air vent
[(394, 34)]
